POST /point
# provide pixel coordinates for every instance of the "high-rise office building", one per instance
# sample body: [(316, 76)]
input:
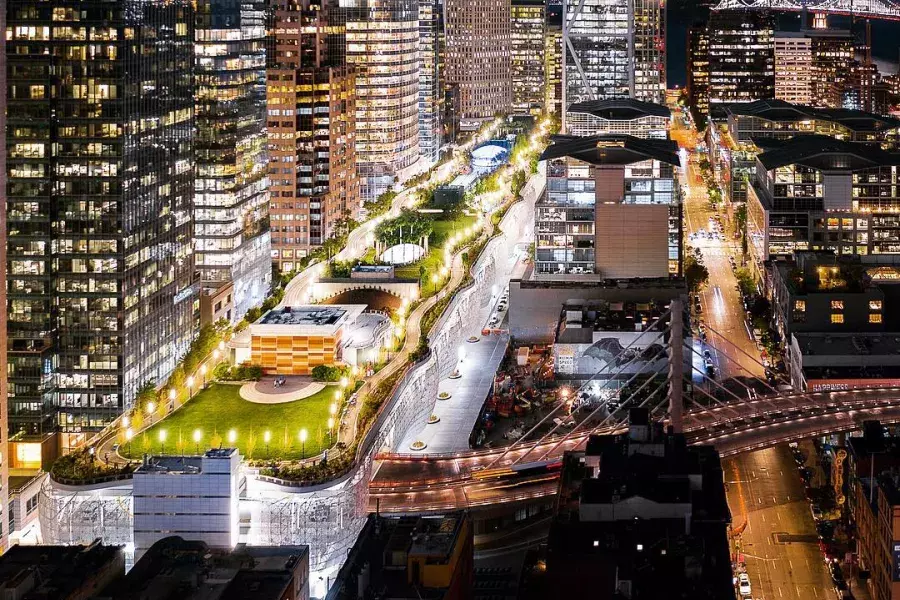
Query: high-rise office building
[(231, 199), (101, 277), (614, 49), (793, 67), (431, 79), (832, 54), (698, 72), (553, 70), (478, 58), (311, 128), (4, 390), (528, 26), (383, 51), (741, 56)]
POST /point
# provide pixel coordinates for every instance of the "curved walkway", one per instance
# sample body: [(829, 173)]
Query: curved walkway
[(263, 392)]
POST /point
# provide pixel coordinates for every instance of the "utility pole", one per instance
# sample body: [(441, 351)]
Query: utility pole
[(676, 364)]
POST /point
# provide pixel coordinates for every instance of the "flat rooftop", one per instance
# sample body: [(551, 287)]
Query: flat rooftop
[(303, 315), (308, 319), (182, 465)]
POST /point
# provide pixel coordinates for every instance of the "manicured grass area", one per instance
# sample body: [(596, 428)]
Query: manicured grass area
[(220, 409), (434, 260)]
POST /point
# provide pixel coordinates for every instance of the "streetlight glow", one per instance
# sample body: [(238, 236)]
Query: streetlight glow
[(267, 436), (151, 406), (198, 435), (332, 409), (172, 394), (330, 423), (303, 435), (344, 382), (222, 345), (232, 436), (129, 433), (162, 436), (190, 382)]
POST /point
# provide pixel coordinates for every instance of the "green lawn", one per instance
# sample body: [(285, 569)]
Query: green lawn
[(221, 409), (434, 260)]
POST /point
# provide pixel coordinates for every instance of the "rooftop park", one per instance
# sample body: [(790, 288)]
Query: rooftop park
[(217, 416)]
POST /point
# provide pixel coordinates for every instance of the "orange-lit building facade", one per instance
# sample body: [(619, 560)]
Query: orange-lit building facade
[(311, 129)]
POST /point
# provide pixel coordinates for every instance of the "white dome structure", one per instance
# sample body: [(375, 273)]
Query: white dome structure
[(402, 254)]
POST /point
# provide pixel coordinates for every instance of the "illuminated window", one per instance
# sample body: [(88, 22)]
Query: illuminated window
[(874, 304), (837, 318), (837, 305), (800, 305), (875, 318)]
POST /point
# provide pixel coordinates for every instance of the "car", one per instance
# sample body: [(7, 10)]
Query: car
[(744, 584), (115, 447)]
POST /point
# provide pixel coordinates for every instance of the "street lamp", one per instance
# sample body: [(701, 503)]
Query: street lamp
[(338, 395), (202, 376), (190, 385), (222, 345), (172, 395), (91, 452), (151, 406), (216, 355), (129, 433), (330, 428), (198, 435), (332, 410), (232, 437), (344, 382), (303, 435), (162, 440), (267, 437)]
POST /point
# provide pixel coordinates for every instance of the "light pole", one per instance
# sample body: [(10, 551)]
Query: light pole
[(162, 440), (232, 437), (202, 376), (330, 429), (303, 435), (190, 386), (151, 406), (198, 435), (172, 396), (129, 433), (267, 437)]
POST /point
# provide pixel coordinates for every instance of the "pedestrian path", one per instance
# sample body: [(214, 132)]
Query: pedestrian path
[(265, 392)]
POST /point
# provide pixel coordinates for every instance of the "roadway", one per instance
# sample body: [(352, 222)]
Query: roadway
[(779, 543), (720, 299)]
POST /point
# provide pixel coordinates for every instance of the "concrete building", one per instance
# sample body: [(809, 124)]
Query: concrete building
[(382, 46), (622, 116), (611, 209), (635, 504), (614, 49), (409, 558), (191, 496), (64, 572), (478, 58), (818, 193), (793, 67), (873, 497), (195, 570), (741, 56), (312, 96), (528, 63), (431, 79), (23, 507), (100, 221), (231, 191)]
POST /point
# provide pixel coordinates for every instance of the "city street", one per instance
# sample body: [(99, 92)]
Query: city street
[(719, 298), (779, 543)]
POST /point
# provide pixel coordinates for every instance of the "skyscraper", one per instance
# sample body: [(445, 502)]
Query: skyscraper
[(101, 277), (698, 72), (793, 67), (231, 200), (553, 70), (383, 50), (741, 56), (311, 128), (431, 79), (614, 49), (4, 389), (478, 58), (528, 25)]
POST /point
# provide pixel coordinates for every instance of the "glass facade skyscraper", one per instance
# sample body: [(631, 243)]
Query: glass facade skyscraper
[(101, 277), (614, 49), (431, 79), (383, 51), (741, 56), (231, 199), (528, 26)]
